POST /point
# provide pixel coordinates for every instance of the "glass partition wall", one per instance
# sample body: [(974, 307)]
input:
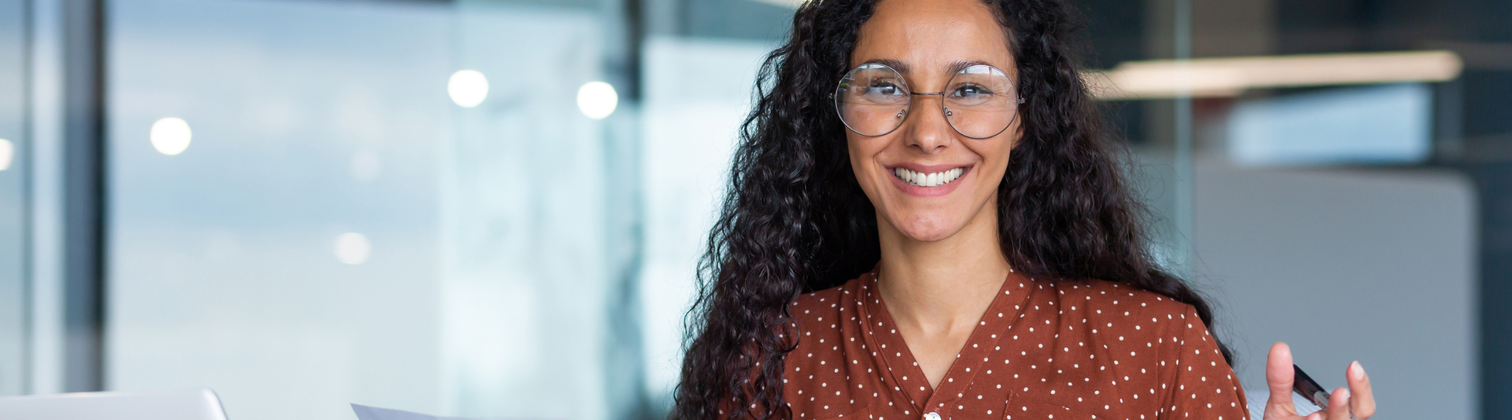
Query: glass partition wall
[(275, 176), (535, 322), (494, 208)]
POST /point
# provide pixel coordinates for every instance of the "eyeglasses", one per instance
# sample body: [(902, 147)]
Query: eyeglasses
[(979, 101)]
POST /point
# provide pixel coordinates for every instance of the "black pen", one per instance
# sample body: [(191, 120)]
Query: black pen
[(1308, 388)]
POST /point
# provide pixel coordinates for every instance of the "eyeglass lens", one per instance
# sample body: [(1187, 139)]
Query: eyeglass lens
[(978, 101)]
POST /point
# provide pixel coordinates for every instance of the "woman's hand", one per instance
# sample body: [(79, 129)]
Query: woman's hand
[(1278, 374)]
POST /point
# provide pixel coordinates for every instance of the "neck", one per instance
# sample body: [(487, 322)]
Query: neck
[(942, 285)]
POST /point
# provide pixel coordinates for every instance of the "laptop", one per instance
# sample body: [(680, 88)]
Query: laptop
[(197, 404)]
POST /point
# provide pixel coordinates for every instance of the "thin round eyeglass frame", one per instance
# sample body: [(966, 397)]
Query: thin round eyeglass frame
[(908, 107)]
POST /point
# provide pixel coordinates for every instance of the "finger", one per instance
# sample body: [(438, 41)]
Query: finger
[(1318, 415), (1278, 376), (1338, 404), (1363, 403)]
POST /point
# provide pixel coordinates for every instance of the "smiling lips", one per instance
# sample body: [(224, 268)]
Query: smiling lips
[(929, 180)]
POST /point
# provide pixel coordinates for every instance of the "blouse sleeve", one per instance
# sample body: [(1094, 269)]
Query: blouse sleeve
[(1204, 386)]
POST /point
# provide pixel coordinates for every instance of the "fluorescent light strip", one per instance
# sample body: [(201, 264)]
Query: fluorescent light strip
[(1227, 77)]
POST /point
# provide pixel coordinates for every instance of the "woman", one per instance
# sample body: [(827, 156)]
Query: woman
[(881, 256)]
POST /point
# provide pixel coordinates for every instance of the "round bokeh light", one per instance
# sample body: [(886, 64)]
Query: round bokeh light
[(170, 136), (353, 248), (7, 153), (597, 100), (467, 88)]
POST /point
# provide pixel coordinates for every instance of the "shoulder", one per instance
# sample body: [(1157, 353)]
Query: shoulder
[(826, 314), (1106, 297), (809, 306), (1124, 309)]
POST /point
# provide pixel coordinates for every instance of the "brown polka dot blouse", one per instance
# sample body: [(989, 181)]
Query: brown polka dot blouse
[(1043, 350)]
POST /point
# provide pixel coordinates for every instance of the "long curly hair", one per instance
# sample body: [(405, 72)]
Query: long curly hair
[(795, 220)]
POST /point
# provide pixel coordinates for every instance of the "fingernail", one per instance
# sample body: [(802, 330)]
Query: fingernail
[(1346, 395), (1356, 371)]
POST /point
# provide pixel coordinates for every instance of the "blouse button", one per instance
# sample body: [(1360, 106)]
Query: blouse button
[(932, 416)]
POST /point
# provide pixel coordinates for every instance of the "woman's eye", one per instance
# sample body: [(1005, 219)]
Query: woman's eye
[(970, 91), (884, 89)]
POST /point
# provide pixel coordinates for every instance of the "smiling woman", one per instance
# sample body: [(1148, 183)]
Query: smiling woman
[(927, 220)]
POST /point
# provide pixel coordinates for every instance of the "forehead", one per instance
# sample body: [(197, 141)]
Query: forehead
[(929, 36)]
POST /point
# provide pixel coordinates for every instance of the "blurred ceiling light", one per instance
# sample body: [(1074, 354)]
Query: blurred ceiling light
[(170, 136), (597, 100), (1478, 55), (1220, 77), (353, 248), (467, 88), (7, 152)]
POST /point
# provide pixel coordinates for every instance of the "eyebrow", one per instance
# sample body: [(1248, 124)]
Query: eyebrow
[(957, 66), (902, 67)]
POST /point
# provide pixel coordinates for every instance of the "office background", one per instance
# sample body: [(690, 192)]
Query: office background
[(493, 208)]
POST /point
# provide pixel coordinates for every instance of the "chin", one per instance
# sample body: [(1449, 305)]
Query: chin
[(930, 229)]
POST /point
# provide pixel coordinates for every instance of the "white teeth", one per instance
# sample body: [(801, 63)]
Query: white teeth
[(928, 180)]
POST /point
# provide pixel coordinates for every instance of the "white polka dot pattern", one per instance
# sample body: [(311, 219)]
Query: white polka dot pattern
[(1043, 350)]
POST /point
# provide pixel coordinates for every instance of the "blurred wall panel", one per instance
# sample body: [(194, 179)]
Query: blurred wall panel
[(698, 91), (14, 199), (1347, 265), (274, 202)]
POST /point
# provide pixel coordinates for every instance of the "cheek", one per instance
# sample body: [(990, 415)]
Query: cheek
[(995, 158), (1000, 161), (861, 151)]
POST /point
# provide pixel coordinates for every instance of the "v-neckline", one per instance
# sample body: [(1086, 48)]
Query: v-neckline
[(999, 318)]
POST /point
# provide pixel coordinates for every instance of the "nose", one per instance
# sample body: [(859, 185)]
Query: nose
[(927, 128)]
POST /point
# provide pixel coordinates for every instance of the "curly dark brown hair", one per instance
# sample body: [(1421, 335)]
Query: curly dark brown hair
[(795, 220)]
